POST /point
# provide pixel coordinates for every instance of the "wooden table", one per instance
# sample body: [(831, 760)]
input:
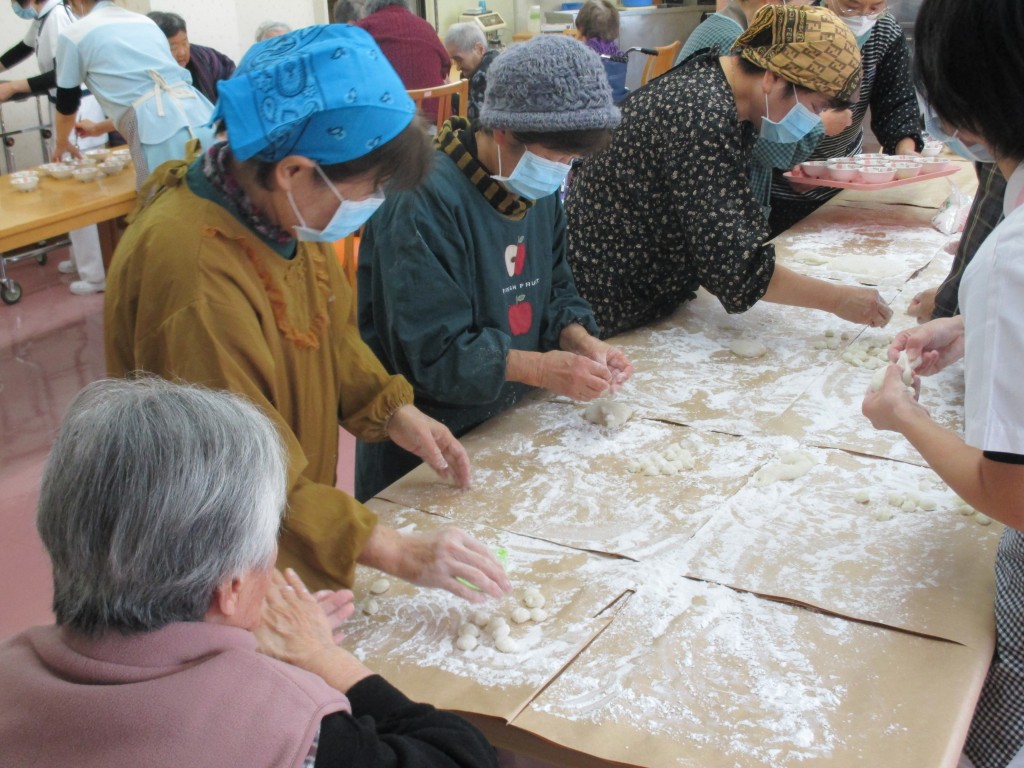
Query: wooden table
[(58, 206), (706, 618)]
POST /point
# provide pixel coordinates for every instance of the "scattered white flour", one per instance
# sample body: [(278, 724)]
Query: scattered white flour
[(871, 268)]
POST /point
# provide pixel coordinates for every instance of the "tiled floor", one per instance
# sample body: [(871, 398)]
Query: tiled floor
[(51, 345)]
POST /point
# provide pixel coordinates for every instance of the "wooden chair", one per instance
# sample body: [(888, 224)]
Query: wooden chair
[(443, 94), (347, 253), (662, 63)]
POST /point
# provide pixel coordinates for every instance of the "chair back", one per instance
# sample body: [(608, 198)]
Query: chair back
[(662, 63), (443, 97)]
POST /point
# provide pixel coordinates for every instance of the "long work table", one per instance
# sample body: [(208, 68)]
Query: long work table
[(698, 611)]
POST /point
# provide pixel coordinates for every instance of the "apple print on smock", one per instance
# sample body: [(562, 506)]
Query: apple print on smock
[(515, 258), (520, 316)]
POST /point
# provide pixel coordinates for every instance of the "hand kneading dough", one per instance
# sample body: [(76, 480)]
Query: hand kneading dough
[(906, 365), (747, 348), (607, 413), (791, 466)]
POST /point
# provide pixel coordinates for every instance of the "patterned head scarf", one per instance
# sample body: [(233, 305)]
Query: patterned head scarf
[(324, 92), (809, 46)]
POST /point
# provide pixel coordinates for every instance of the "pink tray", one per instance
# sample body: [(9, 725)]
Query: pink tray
[(868, 187)]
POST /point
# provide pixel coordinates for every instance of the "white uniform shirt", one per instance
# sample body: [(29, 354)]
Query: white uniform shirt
[(113, 51), (54, 18), (991, 292)]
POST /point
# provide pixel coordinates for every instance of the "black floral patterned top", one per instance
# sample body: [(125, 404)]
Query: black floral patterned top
[(668, 206)]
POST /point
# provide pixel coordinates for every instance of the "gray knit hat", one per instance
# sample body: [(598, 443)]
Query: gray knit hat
[(549, 83)]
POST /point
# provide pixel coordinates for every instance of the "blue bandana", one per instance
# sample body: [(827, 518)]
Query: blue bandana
[(324, 92)]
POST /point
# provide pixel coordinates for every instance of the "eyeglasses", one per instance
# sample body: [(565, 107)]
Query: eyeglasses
[(848, 10)]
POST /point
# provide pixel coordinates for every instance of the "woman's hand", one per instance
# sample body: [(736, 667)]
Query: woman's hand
[(906, 146), (936, 344), (613, 358), (922, 305), (863, 306), (294, 627), (296, 630), (64, 147), (432, 441), (437, 559), (891, 407), (572, 375), (338, 606), (89, 128), (835, 121)]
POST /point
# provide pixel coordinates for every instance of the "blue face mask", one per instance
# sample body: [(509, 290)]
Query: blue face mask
[(349, 217), (976, 153), (29, 13), (792, 128), (534, 177)]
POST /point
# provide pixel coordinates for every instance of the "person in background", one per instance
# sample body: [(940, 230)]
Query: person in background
[(886, 88), (169, 611), (719, 32), (467, 45), (346, 12), (668, 207), (597, 24), (463, 283), (985, 214), (269, 29), (125, 61), (972, 76), (411, 45), (226, 277), (206, 65), (49, 18)]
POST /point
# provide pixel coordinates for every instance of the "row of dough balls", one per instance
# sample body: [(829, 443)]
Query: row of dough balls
[(911, 502), (871, 355), (671, 461), (830, 340), (497, 627)]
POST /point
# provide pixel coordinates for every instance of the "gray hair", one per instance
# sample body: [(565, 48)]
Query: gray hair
[(153, 495), (346, 11), (464, 35), (372, 6), (264, 29)]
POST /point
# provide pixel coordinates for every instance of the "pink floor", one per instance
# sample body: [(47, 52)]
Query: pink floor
[(51, 345)]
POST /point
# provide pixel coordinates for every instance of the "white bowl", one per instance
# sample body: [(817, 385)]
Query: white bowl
[(843, 171), (815, 169), (876, 174), (24, 175), (931, 148), (25, 183), (907, 169), (61, 170), (86, 174), (121, 152), (869, 162), (110, 167), (935, 164), (872, 156), (99, 154)]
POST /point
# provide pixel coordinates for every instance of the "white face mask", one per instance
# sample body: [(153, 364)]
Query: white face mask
[(534, 176), (350, 216), (861, 26)]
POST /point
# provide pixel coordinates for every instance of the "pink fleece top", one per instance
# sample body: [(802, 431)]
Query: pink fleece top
[(190, 694)]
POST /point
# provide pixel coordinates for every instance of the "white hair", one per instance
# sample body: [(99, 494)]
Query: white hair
[(153, 495), (463, 36), (372, 6), (264, 29)]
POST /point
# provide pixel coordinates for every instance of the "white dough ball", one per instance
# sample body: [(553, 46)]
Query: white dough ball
[(480, 618), (862, 497), (896, 499), (981, 519), (501, 630), (469, 629), (380, 586), (371, 607), (533, 599), (520, 615), (538, 614), (466, 642), (882, 515), (506, 645), (927, 505), (908, 506)]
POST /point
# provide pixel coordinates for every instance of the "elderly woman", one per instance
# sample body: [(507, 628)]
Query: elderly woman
[(226, 278), (159, 508), (124, 60), (972, 75), (467, 45), (598, 26), (463, 283), (668, 207), (269, 29)]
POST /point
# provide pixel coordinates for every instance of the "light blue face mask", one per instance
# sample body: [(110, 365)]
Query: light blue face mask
[(534, 177), (349, 217), (976, 153), (792, 128), (29, 13)]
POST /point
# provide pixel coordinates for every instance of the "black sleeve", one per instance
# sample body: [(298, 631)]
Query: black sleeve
[(894, 111), (68, 100), (1003, 458), (43, 83), (16, 55), (387, 730)]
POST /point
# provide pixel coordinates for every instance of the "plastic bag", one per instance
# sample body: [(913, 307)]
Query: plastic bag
[(952, 214)]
